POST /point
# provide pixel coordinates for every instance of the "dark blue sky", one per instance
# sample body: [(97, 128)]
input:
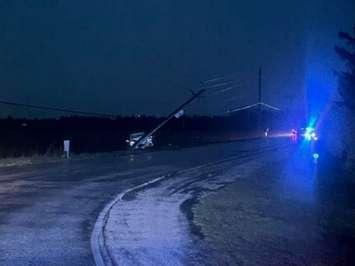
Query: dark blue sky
[(142, 56)]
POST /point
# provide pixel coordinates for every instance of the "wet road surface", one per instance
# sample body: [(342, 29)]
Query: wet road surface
[(272, 208), (148, 226), (231, 204), (48, 211)]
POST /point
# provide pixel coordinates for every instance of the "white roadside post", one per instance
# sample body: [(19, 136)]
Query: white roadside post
[(67, 148)]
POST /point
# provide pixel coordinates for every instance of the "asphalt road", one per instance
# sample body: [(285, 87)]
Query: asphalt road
[(152, 224), (48, 211)]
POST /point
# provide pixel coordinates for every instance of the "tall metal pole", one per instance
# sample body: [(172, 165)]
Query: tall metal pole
[(170, 116), (259, 114), (260, 86)]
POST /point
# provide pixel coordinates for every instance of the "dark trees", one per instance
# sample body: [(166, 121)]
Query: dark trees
[(346, 85)]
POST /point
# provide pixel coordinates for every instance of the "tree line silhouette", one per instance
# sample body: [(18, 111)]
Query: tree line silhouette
[(27, 137)]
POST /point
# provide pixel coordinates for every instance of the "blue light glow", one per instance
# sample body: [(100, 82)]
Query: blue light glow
[(309, 129), (307, 136), (310, 134)]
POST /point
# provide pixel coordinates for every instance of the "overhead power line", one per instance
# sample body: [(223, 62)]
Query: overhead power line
[(57, 109), (216, 85)]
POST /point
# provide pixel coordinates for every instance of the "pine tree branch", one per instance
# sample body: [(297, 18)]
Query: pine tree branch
[(346, 36)]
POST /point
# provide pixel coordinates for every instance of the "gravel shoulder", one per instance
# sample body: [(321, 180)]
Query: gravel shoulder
[(285, 213)]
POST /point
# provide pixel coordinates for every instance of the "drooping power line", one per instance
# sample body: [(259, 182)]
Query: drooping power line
[(57, 109), (217, 85)]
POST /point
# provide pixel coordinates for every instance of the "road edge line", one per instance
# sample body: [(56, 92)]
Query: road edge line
[(97, 239)]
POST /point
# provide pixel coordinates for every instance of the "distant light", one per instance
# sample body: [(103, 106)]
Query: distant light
[(310, 134), (307, 136), (266, 132), (316, 156)]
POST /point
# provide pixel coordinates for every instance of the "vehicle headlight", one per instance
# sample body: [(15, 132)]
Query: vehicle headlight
[(307, 136)]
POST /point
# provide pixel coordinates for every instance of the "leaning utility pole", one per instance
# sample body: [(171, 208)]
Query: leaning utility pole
[(176, 113)]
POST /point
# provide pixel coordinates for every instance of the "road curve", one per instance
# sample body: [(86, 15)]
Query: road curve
[(146, 224), (48, 210)]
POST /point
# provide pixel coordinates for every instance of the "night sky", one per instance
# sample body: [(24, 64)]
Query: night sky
[(142, 56)]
